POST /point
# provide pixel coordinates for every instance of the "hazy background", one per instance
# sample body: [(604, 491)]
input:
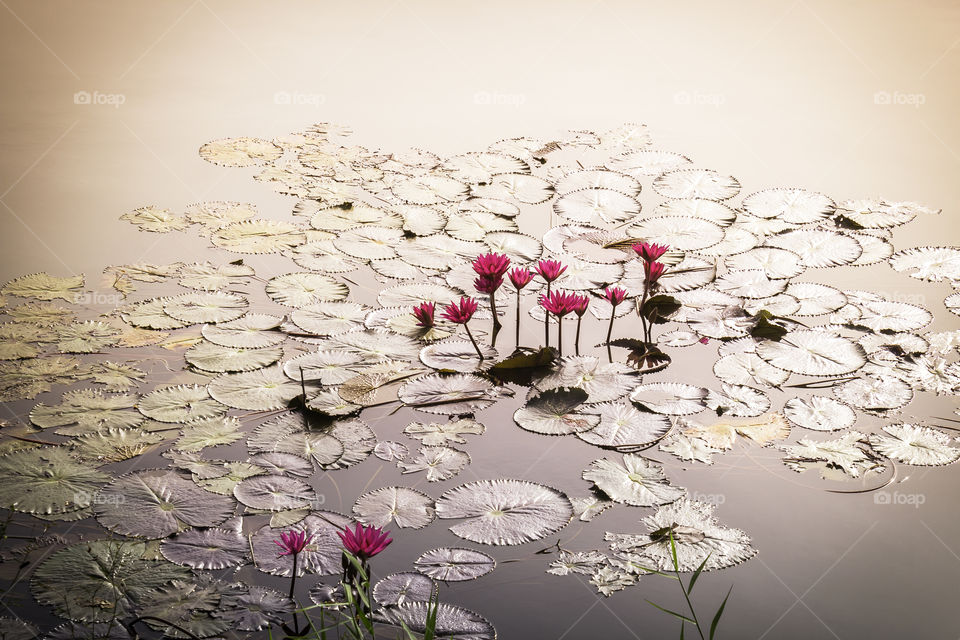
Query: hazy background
[(852, 99)]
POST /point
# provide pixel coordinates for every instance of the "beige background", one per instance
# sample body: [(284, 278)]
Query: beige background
[(775, 93)]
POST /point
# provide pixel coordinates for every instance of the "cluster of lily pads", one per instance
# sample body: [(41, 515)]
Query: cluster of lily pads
[(314, 318)]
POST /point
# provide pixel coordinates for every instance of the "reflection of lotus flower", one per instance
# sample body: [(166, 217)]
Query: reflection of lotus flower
[(653, 271), (650, 252), (491, 265), (365, 542), (614, 295), (293, 542), (424, 314), (580, 304), (550, 270), (559, 303), (460, 313), (520, 277), (487, 284)]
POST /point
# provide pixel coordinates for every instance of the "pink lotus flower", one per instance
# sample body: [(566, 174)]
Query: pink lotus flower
[(650, 252), (653, 271), (520, 277), (364, 542), (580, 304), (491, 265), (550, 270), (460, 313), (614, 295), (487, 284), (559, 303), (293, 542), (424, 314)]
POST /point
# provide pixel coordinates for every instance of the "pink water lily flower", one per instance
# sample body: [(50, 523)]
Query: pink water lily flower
[(550, 270), (520, 277), (423, 312), (650, 252), (364, 542), (293, 542), (460, 312), (614, 295), (653, 271), (491, 265), (487, 284), (559, 303)]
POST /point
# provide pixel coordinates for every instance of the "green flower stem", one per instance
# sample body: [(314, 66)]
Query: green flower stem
[(474, 342)]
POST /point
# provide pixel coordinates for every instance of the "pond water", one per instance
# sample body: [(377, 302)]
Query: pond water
[(832, 556)]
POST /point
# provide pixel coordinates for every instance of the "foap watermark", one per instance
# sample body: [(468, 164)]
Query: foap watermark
[(699, 98), (908, 298), (915, 100), (95, 297), (896, 497), (297, 98), (318, 502), (709, 498), (498, 99), (85, 497), (97, 98)]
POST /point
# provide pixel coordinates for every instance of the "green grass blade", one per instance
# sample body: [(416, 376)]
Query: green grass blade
[(716, 618), (673, 613), (696, 574), (673, 553)]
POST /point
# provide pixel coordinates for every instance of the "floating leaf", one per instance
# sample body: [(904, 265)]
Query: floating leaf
[(813, 353), (406, 507), (439, 463), (621, 425), (211, 549), (274, 493), (434, 434), (47, 481), (555, 413), (259, 390), (100, 580), (840, 453), (158, 502), (451, 621), (43, 286), (454, 564), (180, 404), (690, 528), (639, 481), (214, 306), (819, 413), (504, 511), (915, 445), (400, 588), (448, 394), (207, 356)]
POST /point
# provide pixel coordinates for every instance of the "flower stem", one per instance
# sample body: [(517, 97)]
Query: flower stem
[(518, 318), (560, 335), (293, 585), (474, 342), (613, 311), (546, 321), (576, 338), (493, 310)]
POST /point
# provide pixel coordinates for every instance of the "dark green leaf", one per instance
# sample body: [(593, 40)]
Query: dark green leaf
[(660, 308), (716, 618), (673, 613)]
